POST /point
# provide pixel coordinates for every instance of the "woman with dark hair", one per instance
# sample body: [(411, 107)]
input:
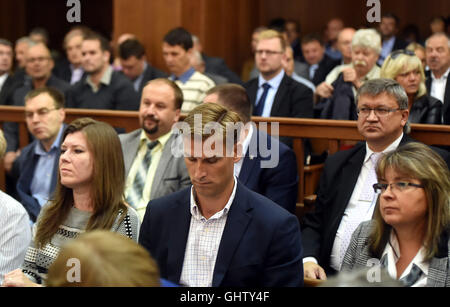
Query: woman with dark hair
[(409, 235), (88, 196)]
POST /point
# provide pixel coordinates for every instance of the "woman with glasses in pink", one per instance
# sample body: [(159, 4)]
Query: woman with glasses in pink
[(409, 233)]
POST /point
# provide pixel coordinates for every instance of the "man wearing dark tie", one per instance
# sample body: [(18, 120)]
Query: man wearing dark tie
[(274, 93)]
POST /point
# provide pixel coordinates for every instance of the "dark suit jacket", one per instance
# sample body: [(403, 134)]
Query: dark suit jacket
[(27, 162), (260, 245), (325, 66), (279, 183), (292, 99), (336, 186), (218, 66), (426, 110), (446, 102), (8, 88), (63, 71)]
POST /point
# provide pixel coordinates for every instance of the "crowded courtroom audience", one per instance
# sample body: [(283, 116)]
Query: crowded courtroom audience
[(152, 171), (226, 151)]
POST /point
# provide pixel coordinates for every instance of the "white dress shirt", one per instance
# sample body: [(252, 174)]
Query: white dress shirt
[(245, 144), (203, 244), (392, 252), (438, 86), (3, 80)]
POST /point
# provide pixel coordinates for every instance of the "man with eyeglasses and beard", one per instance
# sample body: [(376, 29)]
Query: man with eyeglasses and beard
[(151, 169), (345, 195)]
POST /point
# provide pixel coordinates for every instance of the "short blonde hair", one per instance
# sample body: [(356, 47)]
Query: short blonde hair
[(367, 38), (404, 63), (106, 259), (2, 144), (269, 34)]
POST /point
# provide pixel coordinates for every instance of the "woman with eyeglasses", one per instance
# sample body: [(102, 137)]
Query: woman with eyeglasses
[(409, 233), (406, 68)]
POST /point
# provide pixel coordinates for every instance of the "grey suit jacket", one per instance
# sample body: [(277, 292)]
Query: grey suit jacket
[(171, 174), (358, 254)]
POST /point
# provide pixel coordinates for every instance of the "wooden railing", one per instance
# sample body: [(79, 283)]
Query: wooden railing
[(332, 132)]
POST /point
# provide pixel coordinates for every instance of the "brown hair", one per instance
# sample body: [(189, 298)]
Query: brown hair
[(56, 95), (269, 34), (107, 186), (106, 259), (419, 162), (234, 97)]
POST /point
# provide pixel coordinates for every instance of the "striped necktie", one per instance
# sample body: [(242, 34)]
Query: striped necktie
[(135, 193)]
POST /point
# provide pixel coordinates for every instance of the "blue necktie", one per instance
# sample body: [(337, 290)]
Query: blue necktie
[(259, 108)]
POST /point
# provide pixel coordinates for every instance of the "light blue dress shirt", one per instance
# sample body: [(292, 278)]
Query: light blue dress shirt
[(42, 178)]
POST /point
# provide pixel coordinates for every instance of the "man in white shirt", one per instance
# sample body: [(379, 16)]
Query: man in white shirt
[(6, 60), (438, 60), (345, 196)]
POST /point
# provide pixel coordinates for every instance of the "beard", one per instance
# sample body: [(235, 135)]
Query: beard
[(153, 129)]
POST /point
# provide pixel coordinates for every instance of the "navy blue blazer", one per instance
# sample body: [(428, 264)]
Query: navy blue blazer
[(260, 245), (27, 162), (280, 183)]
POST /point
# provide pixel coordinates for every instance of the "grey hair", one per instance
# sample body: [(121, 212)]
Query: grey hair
[(439, 34), (26, 40), (367, 38), (375, 87), (5, 42)]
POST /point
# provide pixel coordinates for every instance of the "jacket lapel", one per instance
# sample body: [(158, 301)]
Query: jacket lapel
[(279, 96), (249, 162), (181, 219), (238, 219)]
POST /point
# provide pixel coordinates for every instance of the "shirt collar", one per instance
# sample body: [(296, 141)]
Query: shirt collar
[(184, 77), (444, 76), (106, 78), (392, 251), (162, 139), (393, 146), (274, 82), (39, 149), (195, 212)]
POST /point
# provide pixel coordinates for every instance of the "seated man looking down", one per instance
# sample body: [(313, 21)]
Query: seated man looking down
[(218, 232)]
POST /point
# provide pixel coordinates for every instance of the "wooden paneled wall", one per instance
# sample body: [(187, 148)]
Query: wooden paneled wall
[(225, 26)]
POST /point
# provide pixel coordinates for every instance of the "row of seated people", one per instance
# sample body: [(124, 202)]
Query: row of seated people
[(203, 234), (272, 92)]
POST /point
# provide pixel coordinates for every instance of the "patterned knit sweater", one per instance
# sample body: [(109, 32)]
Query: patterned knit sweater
[(37, 261)]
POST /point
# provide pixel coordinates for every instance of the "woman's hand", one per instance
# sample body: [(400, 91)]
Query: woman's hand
[(17, 278)]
